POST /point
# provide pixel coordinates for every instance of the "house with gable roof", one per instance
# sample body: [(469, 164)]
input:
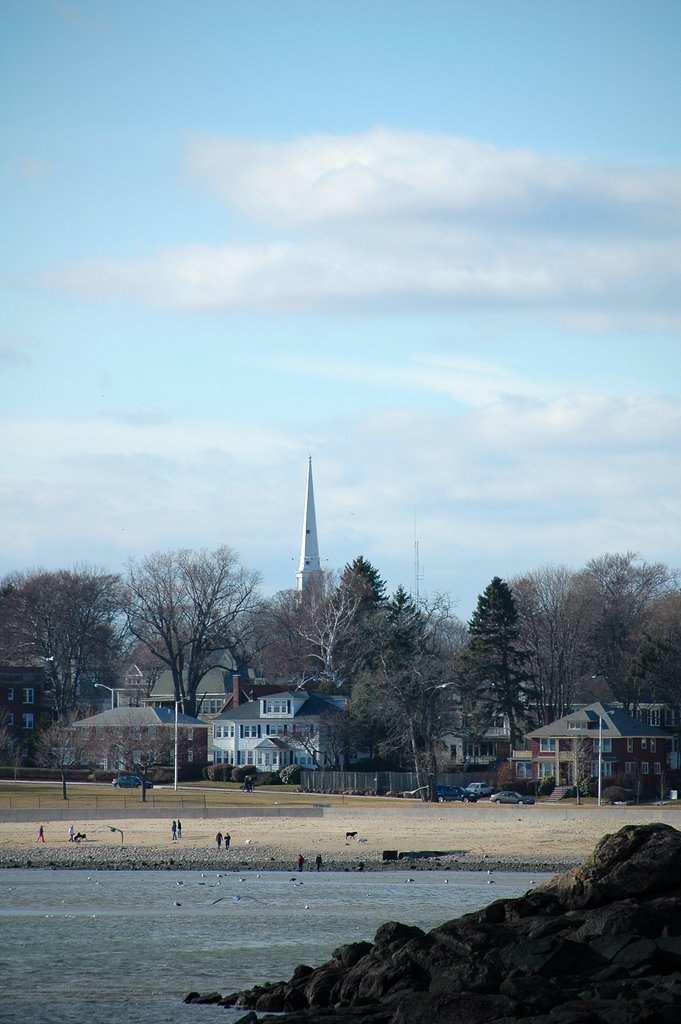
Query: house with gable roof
[(145, 733), (624, 745), (280, 728)]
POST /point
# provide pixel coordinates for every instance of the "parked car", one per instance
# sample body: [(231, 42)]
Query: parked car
[(480, 788), (445, 793), (509, 796), (130, 782)]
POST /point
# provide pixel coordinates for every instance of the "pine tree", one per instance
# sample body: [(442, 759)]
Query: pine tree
[(494, 662)]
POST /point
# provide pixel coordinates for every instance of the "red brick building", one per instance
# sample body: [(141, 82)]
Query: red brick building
[(22, 702), (624, 746)]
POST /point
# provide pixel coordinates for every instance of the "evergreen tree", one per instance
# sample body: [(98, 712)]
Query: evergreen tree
[(494, 663), (362, 572)]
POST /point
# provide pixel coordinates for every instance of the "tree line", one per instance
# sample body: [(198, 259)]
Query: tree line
[(411, 669)]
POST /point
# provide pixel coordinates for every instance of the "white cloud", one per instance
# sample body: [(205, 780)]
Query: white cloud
[(500, 489), (387, 220)]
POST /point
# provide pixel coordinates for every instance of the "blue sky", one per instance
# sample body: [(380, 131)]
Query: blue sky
[(436, 245)]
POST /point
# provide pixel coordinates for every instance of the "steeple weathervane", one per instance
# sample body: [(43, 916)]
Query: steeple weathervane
[(309, 568)]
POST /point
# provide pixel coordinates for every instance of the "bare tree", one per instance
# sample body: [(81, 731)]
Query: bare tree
[(184, 606), (582, 757), (59, 745), (624, 589), (68, 622), (554, 620), (11, 747)]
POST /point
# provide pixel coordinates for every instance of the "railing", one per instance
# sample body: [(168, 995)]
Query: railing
[(326, 781), (14, 802)]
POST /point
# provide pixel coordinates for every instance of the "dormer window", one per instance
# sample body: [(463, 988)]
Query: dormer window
[(276, 706)]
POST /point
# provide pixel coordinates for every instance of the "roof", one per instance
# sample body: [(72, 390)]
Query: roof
[(614, 722), (313, 704), (146, 716)]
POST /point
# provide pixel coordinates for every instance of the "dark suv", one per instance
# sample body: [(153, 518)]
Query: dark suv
[(445, 793)]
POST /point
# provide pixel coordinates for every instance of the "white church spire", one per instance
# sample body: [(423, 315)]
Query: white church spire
[(309, 567)]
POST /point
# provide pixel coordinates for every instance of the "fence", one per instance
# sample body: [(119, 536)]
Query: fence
[(325, 781)]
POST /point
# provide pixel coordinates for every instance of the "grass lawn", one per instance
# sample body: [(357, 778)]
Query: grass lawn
[(39, 795)]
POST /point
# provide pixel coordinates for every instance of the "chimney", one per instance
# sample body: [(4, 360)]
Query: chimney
[(236, 690)]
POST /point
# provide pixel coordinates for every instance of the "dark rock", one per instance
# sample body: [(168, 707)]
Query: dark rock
[(351, 954), (600, 944)]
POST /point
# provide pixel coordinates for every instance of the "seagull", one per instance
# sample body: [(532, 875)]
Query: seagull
[(114, 829), (176, 904), (490, 881)]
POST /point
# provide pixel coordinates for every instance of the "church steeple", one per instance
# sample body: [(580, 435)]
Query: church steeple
[(309, 568)]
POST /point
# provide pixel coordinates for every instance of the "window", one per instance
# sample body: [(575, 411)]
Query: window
[(28, 695), (644, 768), (190, 735), (545, 746), (630, 745), (653, 716), (10, 693), (217, 732), (523, 770), (629, 767), (190, 756), (27, 721), (653, 746), (276, 707), (607, 746), (644, 743), (657, 768), (606, 769), (545, 770), (10, 718), (671, 716)]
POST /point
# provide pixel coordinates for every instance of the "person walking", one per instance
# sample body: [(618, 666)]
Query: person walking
[(72, 833), (300, 860), (40, 838), (218, 840), (173, 830), (318, 861), (179, 829), (228, 840)]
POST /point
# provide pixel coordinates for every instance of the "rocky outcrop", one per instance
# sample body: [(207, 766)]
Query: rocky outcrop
[(600, 944)]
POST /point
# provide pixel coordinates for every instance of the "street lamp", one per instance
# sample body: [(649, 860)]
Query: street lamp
[(177, 704), (600, 757), (112, 689)]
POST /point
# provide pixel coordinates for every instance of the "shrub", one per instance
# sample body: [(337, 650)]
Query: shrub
[(240, 773), (267, 779), (290, 774), (615, 793), (219, 772), (547, 785), (587, 786)]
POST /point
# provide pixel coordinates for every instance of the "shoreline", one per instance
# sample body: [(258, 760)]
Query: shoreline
[(436, 837), (141, 858)]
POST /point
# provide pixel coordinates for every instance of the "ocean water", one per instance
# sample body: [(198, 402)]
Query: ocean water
[(124, 947)]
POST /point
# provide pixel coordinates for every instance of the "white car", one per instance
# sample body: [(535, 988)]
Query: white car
[(480, 788)]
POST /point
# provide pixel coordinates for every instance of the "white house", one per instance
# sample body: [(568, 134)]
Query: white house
[(277, 729)]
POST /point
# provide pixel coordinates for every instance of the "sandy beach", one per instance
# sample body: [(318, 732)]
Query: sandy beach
[(532, 836)]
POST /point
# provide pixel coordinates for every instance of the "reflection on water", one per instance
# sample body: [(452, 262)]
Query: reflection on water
[(112, 946)]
